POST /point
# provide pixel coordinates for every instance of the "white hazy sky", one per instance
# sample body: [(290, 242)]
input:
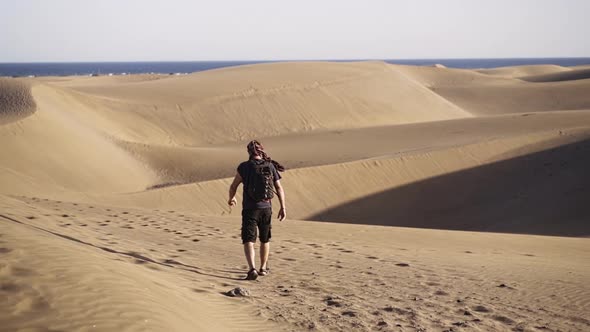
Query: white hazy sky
[(176, 30)]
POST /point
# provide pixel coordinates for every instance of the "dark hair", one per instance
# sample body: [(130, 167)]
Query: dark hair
[(255, 148)]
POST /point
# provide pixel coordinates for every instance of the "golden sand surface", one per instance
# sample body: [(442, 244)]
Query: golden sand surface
[(419, 199)]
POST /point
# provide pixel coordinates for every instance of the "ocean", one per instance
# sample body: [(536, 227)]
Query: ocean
[(117, 68)]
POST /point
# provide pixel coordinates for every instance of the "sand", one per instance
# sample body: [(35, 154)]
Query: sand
[(419, 199)]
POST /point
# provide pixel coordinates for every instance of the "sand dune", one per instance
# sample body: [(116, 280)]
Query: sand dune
[(324, 192), (52, 151), (572, 75), (83, 283), (284, 98), (104, 268), (113, 192), (520, 71), (185, 164), (486, 99)]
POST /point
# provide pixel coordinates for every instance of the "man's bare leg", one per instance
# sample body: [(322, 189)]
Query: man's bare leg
[(264, 252), (250, 254)]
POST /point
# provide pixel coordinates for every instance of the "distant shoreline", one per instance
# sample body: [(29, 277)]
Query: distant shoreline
[(185, 67)]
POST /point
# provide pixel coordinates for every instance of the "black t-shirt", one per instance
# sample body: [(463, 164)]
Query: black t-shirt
[(245, 169)]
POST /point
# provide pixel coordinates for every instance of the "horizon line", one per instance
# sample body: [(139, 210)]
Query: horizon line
[(291, 60)]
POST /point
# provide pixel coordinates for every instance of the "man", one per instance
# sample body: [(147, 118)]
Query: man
[(259, 175)]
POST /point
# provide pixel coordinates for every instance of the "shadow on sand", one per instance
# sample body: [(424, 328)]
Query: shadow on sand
[(543, 193)]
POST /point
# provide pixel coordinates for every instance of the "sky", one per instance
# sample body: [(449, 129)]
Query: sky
[(192, 30)]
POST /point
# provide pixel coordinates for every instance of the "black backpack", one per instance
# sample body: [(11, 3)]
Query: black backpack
[(260, 181)]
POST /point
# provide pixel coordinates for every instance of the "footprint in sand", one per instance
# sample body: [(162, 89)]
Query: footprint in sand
[(10, 287), (481, 308), (503, 319), (349, 313), (333, 301)]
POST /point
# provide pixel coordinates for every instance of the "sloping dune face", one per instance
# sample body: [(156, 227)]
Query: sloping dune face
[(114, 215), (52, 151), (262, 101)]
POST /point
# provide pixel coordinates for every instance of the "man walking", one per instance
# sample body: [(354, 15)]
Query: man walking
[(260, 176)]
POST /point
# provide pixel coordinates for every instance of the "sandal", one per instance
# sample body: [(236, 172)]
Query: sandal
[(252, 275), (263, 272)]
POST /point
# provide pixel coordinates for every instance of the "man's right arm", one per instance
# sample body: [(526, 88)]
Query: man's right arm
[(233, 188)]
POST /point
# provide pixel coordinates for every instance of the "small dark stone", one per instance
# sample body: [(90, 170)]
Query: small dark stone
[(382, 323), (333, 303), (467, 313), (238, 292)]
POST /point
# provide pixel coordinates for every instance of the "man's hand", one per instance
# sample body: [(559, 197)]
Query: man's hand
[(282, 214), (232, 201)]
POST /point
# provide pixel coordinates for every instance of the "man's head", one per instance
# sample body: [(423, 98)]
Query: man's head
[(256, 150)]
